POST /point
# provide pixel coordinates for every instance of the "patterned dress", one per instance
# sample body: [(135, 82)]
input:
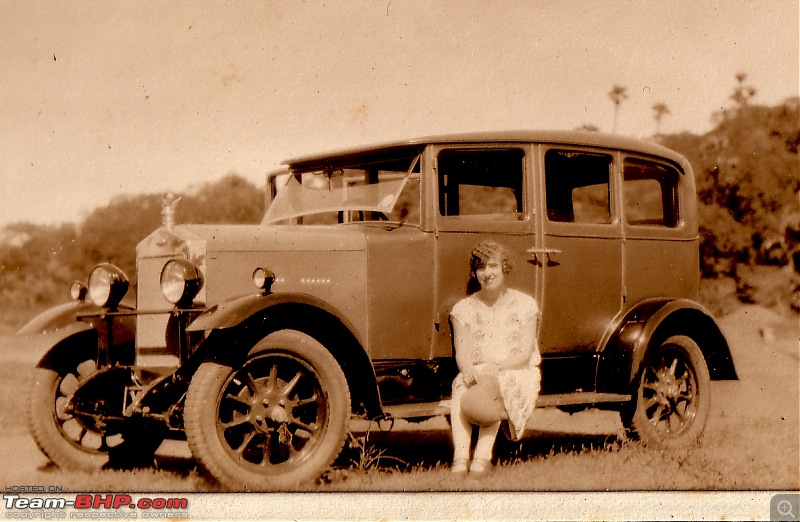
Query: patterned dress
[(505, 329)]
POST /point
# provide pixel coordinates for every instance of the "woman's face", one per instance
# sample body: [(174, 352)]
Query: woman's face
[(490, 275)]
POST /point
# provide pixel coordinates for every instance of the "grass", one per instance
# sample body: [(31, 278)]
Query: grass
[(611, 466), (364, 456)]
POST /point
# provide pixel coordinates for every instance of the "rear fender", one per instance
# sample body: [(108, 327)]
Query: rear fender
[(234, 327), (651, 323)]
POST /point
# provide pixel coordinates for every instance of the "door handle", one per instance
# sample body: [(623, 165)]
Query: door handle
[(549, 253)]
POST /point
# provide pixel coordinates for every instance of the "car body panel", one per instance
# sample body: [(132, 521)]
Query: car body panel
[(398, 270)]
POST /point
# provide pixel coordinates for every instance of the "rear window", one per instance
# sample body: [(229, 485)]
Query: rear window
[(651, 194)]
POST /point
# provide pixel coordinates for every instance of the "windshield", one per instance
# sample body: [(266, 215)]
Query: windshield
[(378, 191)]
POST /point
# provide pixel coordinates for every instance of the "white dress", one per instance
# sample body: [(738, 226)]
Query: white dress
[(506, 328)]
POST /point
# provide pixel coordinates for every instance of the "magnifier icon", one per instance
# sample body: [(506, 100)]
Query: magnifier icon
[(785, 508)]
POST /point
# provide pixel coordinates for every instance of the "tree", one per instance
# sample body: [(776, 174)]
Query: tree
[(659, 111), (618, 94), (746, 171), (232, 199), (38, 262)]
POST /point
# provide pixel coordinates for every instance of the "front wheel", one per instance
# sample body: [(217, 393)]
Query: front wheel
[(82, 442), (673, 396), (71, 442), (272, 422)]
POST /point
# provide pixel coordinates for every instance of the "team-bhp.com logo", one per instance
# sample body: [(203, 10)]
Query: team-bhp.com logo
[(94, 506)]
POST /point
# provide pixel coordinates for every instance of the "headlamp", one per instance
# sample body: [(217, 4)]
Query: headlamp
[(181, 281), (107, 286), (263, 279), (77, 291)]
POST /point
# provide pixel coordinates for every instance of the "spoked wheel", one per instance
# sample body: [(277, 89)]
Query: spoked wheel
[(278, 419), (673, 396), (70, 441)]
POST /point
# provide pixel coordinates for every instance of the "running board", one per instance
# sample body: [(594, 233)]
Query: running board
[(589, 398), (433, 409)]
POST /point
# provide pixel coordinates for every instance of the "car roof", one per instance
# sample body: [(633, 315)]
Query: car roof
[(415, 145)]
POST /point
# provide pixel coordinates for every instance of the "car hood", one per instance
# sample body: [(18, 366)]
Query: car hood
[(197, 241), (277, 238)]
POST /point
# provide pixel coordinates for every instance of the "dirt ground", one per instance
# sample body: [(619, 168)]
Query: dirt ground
[(751, 440)]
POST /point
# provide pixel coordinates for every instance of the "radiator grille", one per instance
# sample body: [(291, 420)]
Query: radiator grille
[(151, 343)]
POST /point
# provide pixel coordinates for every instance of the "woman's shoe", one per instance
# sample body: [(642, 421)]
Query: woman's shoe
[(479, 466), (459, 466)]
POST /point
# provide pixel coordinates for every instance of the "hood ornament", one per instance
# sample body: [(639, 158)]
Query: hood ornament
[(168, 204)]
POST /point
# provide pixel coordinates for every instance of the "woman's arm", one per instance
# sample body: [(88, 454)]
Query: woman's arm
[(463, 352)]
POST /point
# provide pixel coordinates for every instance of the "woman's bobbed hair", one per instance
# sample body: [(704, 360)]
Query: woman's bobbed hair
[(486, 250)]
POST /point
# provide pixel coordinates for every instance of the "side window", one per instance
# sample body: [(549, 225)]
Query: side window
[(577, 187), (486, 182), (651, 194)]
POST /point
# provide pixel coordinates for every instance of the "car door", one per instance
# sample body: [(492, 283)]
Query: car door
[(659, 228), (581, 256), (479, 192)]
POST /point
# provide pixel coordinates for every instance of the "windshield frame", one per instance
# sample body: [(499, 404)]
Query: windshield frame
[(290, 199)]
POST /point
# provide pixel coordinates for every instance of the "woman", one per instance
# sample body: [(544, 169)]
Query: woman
[(495, 331)]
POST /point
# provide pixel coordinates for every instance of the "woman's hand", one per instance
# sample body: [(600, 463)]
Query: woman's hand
[(469, 376)]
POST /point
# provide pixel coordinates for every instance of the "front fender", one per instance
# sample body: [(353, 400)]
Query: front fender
[(233, 313), (233, 327), (48, 347), (652, 322), (52, 336), (230, 313), (58, 317), (48, 336)]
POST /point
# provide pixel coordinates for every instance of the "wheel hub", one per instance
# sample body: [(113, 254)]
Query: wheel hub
[(667, 388), (269, 413), (670, 390)]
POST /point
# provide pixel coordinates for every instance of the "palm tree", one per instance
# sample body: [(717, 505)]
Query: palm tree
[(742, 93), (659, 111), (618, 94)]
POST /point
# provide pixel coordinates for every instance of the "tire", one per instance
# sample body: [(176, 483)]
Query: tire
[(277, 420), (673, 396), (73, 442)]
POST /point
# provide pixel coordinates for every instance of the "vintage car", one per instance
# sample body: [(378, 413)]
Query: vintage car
[(260, 343)]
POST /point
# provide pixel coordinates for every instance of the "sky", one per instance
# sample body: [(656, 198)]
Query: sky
[(106, 98)]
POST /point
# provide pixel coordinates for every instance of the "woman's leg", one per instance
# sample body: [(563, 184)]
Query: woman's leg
[(485, 445), (462, 429)]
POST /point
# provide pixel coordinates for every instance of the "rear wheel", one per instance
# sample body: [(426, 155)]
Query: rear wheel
[(673, 397), (278, 419)]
